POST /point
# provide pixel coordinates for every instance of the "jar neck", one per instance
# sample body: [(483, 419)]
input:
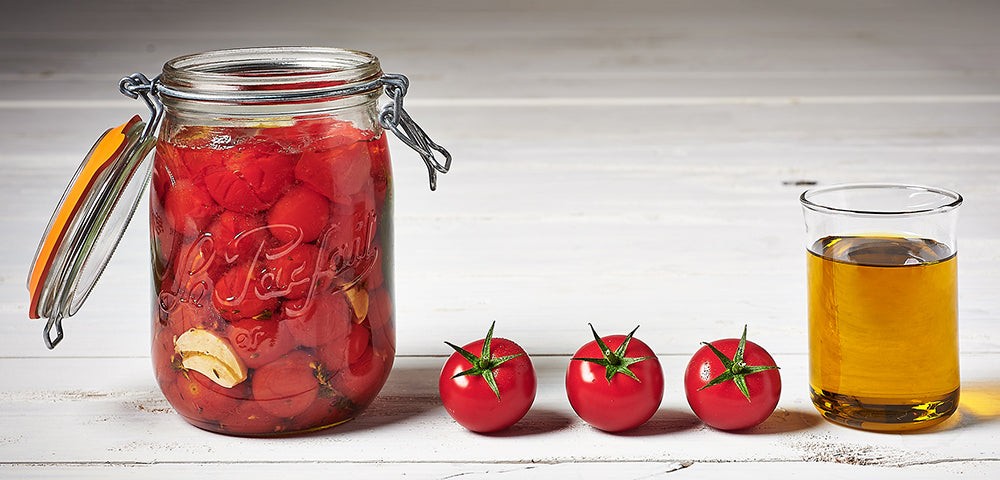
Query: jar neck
[(269, 81)]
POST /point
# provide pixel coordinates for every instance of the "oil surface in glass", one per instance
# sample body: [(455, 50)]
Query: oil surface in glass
[(883, 340)]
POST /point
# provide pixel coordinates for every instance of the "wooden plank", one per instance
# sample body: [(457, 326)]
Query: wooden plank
[(636, 49), (437, 470), (117, 416)]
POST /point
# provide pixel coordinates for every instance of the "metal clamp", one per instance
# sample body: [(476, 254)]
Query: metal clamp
[(138, 85), (395, 118), (54, 322)]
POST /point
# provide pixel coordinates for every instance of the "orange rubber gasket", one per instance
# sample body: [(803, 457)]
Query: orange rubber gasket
[(106, 149)]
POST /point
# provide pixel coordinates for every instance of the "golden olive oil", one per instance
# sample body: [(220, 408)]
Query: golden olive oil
[(883, 340)]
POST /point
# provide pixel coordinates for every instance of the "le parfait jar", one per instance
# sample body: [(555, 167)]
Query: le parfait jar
[(270, 200)]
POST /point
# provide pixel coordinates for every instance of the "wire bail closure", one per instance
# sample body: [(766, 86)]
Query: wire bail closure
[(135, 86), (392, 117), (138, 85), (395, 118)]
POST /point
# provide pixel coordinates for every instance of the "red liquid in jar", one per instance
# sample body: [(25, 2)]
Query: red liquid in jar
[(272, 271)]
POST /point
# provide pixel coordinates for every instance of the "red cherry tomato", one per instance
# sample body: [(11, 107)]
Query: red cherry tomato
[(237, 236), (287, 386), (238, 294), (323, 411), (379, 318), (188, 208), (186, 316), (338, 172), (499, 390), (318, 133), (302, 209), (202, 399), (289, 271), (165, 360), (615, 383), (259, 342), (168, 166), (188, 283), (378, 150), (251, 176), (333, 354), (318, 319), (248, 418), (363, 378), (713, 389), (359, 341)]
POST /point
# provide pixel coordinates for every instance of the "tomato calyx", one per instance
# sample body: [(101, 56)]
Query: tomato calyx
[(484, 364), (615, 362), (736, 368)]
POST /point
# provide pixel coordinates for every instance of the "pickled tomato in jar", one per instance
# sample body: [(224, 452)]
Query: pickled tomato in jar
[(272, 264)]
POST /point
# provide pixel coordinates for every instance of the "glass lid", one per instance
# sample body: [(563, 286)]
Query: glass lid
[(88, 224)]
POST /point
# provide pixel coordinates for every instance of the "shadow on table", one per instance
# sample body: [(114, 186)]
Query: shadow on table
[(535, 422), (785, 421), (664, 421)]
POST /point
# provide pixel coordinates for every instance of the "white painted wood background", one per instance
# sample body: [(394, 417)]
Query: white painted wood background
[(619, 163)]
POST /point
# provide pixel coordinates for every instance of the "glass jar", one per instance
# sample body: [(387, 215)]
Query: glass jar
[(271, 232), (882, 277), (271, 237)]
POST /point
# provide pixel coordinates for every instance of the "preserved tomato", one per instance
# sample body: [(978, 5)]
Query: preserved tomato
[(272, 258), (270, 213)]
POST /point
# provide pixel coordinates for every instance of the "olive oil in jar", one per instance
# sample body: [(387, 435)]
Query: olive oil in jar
[(883, 331)]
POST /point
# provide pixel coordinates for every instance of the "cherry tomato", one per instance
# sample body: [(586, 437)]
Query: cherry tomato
[(202, 399), (168, 166), (187, 284), (379, 317), (378, 150), (289, 271), (318, 133), (165, 360), (354, 216), (363, 378), (259, 342), (237, 236), (338, 172), (186, 316), (251, 176), (333, 354), (188, 208), (615, 383), (238, 294), (304, 210), (287, 386), (323, 411), (491, 391), (318, 319), (249, 418), (374, 277), (732, 384), (338, 353), (359, 341)]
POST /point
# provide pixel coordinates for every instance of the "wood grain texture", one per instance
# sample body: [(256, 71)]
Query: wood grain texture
[(619, 163)]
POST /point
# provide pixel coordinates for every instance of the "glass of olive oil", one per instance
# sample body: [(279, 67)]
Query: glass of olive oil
[(883, 304)]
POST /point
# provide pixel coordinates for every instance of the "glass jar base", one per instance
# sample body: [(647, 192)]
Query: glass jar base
[(265, 432), (881, 415)]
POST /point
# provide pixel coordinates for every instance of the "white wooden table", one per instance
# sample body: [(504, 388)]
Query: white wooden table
[(619, 163)]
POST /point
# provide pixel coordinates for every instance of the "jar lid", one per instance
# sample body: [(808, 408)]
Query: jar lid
[(88, 224)]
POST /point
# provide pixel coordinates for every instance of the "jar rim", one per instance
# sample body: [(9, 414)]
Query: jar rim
[(917, 199), (269, 74)]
